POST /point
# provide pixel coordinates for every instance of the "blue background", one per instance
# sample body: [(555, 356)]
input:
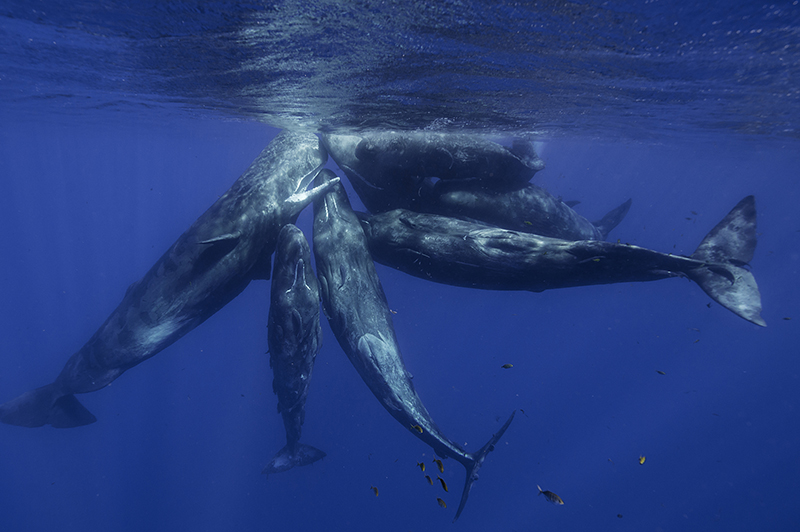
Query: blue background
[(92, 194)]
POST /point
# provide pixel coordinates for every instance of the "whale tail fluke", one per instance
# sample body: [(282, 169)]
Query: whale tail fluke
[(725, 252), (45, 406), (608, 222), (288, 457), (477, 462)]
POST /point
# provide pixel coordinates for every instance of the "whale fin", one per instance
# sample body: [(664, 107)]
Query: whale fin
[(724, 252), (44, 406), (227, 237), (287, 458), (612, 219), (477, 462), (301, 199)]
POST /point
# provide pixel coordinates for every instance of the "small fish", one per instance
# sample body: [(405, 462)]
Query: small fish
[(430, 480), (696, 341), (693, 212), (688, 219), (708, 305), (507, 366), (695, 329), (619, 515), (612, 461), (787, 319), (439, 465), (444, 484), (374, 490), (526, 222), (393, 311), (642, 459), (521, 410), (421, 466), (618, 241), (660, 372), (441, 502), (550, 496), (596, 260), (417, 428)]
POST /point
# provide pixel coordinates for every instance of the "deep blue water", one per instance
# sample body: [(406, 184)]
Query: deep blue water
[(109, 150)]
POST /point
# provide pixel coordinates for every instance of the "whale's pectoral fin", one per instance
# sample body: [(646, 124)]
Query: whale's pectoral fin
[(612, 219), (477, 462), (287, 458), (215, 249), (227, 237), (301, 199), (43, 406), (725, 251)]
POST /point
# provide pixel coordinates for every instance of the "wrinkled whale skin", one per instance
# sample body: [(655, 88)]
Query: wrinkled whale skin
[(390, 170), (463, 253), (209, 265), (359, 316), (295, 337), (527, 208)]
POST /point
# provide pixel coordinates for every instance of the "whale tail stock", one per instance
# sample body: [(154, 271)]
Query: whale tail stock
[(476, 462), (724, 252), (612, 219), (45, 406), (293, 456)]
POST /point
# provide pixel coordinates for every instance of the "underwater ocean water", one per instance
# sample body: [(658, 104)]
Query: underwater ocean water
[(644, 406)]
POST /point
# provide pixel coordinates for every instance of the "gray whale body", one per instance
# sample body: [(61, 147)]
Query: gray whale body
[(359, 316), (390, 170), (527, 208), (209, 265), (295, 337), (462, 253)]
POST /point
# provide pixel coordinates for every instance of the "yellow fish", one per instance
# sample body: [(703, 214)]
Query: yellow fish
[(660, 372), (421, 466), (641, 459), (444, 484), (439, 465), (430, 480), (374, 490), (550, 496), (417, 428), (441, 502), (507, 366)]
